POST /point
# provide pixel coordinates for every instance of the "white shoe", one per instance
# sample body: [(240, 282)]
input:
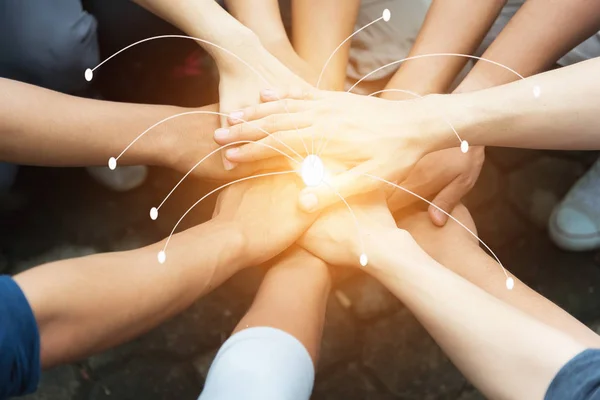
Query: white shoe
[(121, 179), (575, 222)]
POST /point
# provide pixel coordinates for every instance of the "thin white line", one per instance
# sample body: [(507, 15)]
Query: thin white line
[(213, 152), (435, 55), (201, 112), (360, 237), (217, 189), (430, 203), (212, 44)]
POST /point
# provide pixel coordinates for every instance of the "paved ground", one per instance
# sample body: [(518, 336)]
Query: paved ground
[(372, 347)]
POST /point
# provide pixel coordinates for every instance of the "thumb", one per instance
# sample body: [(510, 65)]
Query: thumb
[(445, 200)]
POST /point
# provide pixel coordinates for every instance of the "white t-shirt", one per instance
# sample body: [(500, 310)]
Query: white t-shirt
[(260, 363)]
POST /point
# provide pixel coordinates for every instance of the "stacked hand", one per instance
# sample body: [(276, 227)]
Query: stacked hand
[(362, 132)]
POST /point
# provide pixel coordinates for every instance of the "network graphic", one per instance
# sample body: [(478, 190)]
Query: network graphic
[(310, 167)]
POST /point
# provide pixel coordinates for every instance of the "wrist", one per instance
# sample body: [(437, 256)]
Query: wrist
[(394, 254), (245, 44), (449, 123)]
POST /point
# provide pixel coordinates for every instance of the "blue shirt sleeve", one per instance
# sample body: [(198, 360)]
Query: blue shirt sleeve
[(579, 379), (20, 367)]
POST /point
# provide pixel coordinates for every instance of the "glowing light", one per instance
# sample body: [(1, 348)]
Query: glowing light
[(154, 213), (162, 256), (312, 171), (464, 146), (89, 75), (510, 283), (364, 260)]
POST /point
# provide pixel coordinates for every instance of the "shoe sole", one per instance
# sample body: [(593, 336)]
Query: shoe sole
[(572, 242)]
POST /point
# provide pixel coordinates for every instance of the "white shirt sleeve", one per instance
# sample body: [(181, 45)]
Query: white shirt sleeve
[(260, 363)]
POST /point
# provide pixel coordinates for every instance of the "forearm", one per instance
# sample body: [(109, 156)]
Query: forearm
[(42, 127), (502, 351), (535, 38), (468, 260), (448, 28), (207, 20), (263, 19), (318, 28), (89, 304), (565, 116), (299, 312)]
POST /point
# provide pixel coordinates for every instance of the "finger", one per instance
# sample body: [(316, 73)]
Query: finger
[(446, 200), (340, 187), (290, 142), (258, 129), (296, 92), (259, 111)]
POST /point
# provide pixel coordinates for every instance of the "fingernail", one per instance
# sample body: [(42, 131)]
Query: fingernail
[(309, 202), (228, 165), (236, 115), (229, 153), (221, 133), (268, 93)]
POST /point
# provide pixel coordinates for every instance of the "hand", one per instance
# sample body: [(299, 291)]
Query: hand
[(335, 238), (358, 130), (184, 141), (263, 210), (240, 84), (447, 174)]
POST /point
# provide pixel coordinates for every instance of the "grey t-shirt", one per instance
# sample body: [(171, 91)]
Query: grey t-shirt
[(579, 379)]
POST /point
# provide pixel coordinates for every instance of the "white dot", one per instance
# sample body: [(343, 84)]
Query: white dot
[(112, 163), (162, 257), (510, 283), (89, 74), (537, 91), (154, 213), (364, 260), (386, 15), (464, 146)]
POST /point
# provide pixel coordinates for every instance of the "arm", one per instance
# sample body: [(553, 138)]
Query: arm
[(504, 352), (450, 27), (43, 127), (299, 312), (265, 21), (86, 305), (565, 115), (535, 38), (207, 20), (318, 28), (454, 248), (501, 350), (269, 354)]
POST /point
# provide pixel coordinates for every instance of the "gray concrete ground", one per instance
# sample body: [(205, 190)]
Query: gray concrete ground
[(373, 348)]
